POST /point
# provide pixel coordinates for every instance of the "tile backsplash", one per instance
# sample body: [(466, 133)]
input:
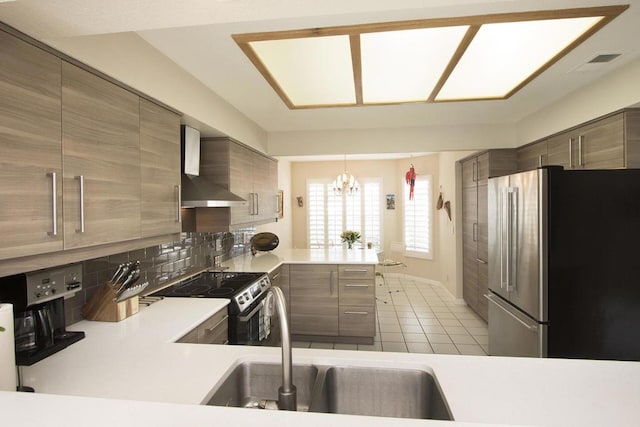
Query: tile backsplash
[(161, 263)]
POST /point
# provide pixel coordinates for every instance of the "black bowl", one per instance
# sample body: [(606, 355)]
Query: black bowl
[(264, 242)]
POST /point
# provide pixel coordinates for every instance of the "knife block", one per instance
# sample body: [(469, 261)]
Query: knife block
[(102, 306)]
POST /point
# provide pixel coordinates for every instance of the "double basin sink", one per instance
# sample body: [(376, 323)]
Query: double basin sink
[(374, 391)]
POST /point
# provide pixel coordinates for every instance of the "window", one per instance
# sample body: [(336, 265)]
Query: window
[(418, 219), (330, 214)]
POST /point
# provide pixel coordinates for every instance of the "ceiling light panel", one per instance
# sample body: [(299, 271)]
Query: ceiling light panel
[(404, 66), (504, 55), (310, 71)]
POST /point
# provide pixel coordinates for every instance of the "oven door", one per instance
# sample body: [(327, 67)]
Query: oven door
[(252, 327)]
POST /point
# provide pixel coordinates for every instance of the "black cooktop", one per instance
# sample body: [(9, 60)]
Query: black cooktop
[(210, 285)]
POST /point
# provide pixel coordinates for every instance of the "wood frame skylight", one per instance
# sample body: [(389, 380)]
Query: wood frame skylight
[(432, 60)]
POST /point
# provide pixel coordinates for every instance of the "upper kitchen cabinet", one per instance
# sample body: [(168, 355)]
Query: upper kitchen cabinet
[(31, 161), (244, 172), (101, 152), (610, 142), (477, 169), (532, 156), (253, 177), (159, 170)]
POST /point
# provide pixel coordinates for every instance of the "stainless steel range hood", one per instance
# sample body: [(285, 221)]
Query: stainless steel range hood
[(200, 191)]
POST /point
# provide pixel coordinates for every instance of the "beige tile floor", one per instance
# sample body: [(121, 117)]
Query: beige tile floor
[(418, 316)]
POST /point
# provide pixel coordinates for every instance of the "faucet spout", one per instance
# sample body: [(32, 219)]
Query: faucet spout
[(287, 394)]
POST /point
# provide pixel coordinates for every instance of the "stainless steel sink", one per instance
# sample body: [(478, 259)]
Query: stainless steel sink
[(385, 392), (249, 384), (402, 393)]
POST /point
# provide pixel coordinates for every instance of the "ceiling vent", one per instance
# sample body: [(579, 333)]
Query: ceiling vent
[(607, 57), (598, 62)]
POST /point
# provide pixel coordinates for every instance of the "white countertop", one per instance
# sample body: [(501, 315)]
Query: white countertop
[(268, 261), (137, 360)]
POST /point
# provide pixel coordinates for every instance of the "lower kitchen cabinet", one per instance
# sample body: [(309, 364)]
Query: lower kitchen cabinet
[(214, 330), (357, 300), (314, 299), (333, 300)]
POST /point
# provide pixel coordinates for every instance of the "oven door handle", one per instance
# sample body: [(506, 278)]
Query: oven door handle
[(253, 312)]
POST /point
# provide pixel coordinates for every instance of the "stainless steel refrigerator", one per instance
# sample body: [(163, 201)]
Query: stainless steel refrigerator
[(564, 264)]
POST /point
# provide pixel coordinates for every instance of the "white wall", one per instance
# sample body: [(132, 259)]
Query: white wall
[(395, 140), (617, 90), (131, 60)]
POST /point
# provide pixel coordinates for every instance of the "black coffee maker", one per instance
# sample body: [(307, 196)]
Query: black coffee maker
[(38, 311)]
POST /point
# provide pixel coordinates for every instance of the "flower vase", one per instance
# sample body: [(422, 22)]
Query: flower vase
[(350, 244)]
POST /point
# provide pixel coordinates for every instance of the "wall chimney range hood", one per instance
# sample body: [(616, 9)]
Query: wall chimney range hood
[(200, 191)]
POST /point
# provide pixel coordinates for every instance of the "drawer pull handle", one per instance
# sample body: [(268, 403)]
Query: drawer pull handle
[(349, 285), (217, 324), (359, 313), (350, 270), (481, 261)]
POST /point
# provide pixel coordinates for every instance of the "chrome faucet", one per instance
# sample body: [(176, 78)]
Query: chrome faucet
[(287, 394)]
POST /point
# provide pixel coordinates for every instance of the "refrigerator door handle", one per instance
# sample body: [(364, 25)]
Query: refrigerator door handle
[(494, 300), (501, 214), (512, 244)]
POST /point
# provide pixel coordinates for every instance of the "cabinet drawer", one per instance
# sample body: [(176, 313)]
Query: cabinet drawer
[(357, 321), (216, 334), (357, 292), (190, 338), (214, 330), (356, 271)]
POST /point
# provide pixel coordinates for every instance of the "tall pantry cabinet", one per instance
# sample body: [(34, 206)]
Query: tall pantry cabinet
[(475, 233)]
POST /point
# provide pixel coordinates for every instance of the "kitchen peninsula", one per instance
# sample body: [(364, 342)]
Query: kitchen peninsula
[(133, 373)]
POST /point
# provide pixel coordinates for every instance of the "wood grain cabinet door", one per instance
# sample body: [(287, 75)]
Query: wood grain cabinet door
[(160, 170), (31, 150), (562, 150), (265, 181), (314, 299), (470, 246), (601, 144), (532, 156), (101, 152), (241, 182)]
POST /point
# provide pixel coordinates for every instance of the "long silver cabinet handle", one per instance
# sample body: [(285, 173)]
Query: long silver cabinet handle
[(256, 204), (351, 285), (474, 232), (570, 153), (481, 261), (540, 159), (81, 179), (355, 270), (331, 282), (492, 299), (580, 140), (54, 203), (178, 189), (359, 313), (217, 324)]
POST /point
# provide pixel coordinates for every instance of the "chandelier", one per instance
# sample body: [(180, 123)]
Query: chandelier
[(345, 183)]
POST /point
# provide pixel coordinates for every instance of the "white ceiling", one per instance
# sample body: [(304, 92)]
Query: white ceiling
[(196, 35)]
